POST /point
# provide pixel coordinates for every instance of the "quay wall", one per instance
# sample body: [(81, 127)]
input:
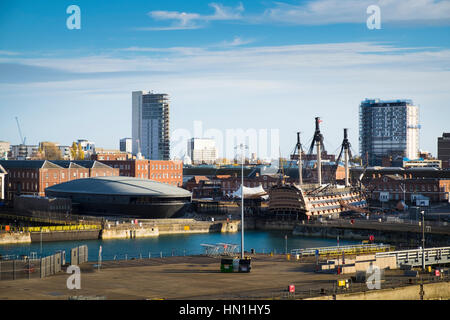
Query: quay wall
[(66, 235), (163, 227), (14, 237), (432, 291), (124, 231)]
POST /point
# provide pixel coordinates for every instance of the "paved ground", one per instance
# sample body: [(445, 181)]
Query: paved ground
[(174, 278)]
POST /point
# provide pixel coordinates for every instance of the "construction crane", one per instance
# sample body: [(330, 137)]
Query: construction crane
[(22, 139)]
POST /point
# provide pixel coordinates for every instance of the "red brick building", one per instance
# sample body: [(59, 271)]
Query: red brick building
[(31, 177), (399, 188), (165, 171)]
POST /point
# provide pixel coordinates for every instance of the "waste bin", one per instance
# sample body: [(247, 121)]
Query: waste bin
[(236, 265), (245, 265), (226, 265)]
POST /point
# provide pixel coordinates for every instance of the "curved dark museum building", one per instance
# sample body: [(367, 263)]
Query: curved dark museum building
[(125, 196)]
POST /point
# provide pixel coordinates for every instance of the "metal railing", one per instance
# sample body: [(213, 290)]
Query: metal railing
[(349, 249), (413, 257), (30, 268)]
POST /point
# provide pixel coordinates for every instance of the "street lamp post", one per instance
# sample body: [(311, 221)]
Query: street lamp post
[(242, 147), (423, 239)]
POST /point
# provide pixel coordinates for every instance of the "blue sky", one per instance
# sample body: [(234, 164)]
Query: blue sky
[(234, 64)]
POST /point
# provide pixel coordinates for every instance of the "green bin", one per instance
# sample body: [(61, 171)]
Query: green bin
[(226, 265)]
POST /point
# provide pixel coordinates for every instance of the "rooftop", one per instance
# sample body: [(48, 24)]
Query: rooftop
[(119, 186)]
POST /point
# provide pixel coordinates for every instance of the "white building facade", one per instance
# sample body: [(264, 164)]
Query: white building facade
[(126, 145), (202, 150)]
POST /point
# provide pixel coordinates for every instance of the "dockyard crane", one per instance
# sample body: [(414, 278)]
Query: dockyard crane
[(22, 139)]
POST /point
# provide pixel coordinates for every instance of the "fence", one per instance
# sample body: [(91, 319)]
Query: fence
[(30, 268), (12, 268), (79, 255)]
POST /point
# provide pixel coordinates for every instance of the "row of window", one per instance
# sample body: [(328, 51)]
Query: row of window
[(411, 188), (145, 167), (34, 175), (166, 176)]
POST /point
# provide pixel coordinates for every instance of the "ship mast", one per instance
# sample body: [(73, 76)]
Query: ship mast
[(318, 139), (346, 146), (300, 167)]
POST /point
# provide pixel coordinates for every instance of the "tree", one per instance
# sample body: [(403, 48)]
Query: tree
[(76, 152), (50, 151), (80, 153), (73, 151)]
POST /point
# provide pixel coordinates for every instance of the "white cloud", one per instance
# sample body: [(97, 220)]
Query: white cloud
[(318, 12), (184, 20), (237, 41), (269, 87)]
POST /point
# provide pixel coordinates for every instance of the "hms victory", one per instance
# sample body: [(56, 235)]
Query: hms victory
[(313, 200)]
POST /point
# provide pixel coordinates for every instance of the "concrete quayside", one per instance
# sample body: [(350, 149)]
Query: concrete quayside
[(138, 229)]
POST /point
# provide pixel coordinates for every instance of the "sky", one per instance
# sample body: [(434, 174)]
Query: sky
[(263, 66)]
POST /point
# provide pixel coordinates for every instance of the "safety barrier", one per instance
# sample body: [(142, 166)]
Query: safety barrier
[(60, 228), (413, 258), (350, 249), (79, 255), (31, 268)]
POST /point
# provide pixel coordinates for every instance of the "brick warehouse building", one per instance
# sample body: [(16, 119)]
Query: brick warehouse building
[(399, 188), (31, 177), (165, 171), (403, 183)]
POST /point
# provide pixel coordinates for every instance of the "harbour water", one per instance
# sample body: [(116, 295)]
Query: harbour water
[(174, 245)]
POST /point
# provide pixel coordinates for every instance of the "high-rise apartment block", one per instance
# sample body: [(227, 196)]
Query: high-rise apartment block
[(388, 128), (150, 125)]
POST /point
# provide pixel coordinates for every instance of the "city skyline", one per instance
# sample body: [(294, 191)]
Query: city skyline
[(234, 65)]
